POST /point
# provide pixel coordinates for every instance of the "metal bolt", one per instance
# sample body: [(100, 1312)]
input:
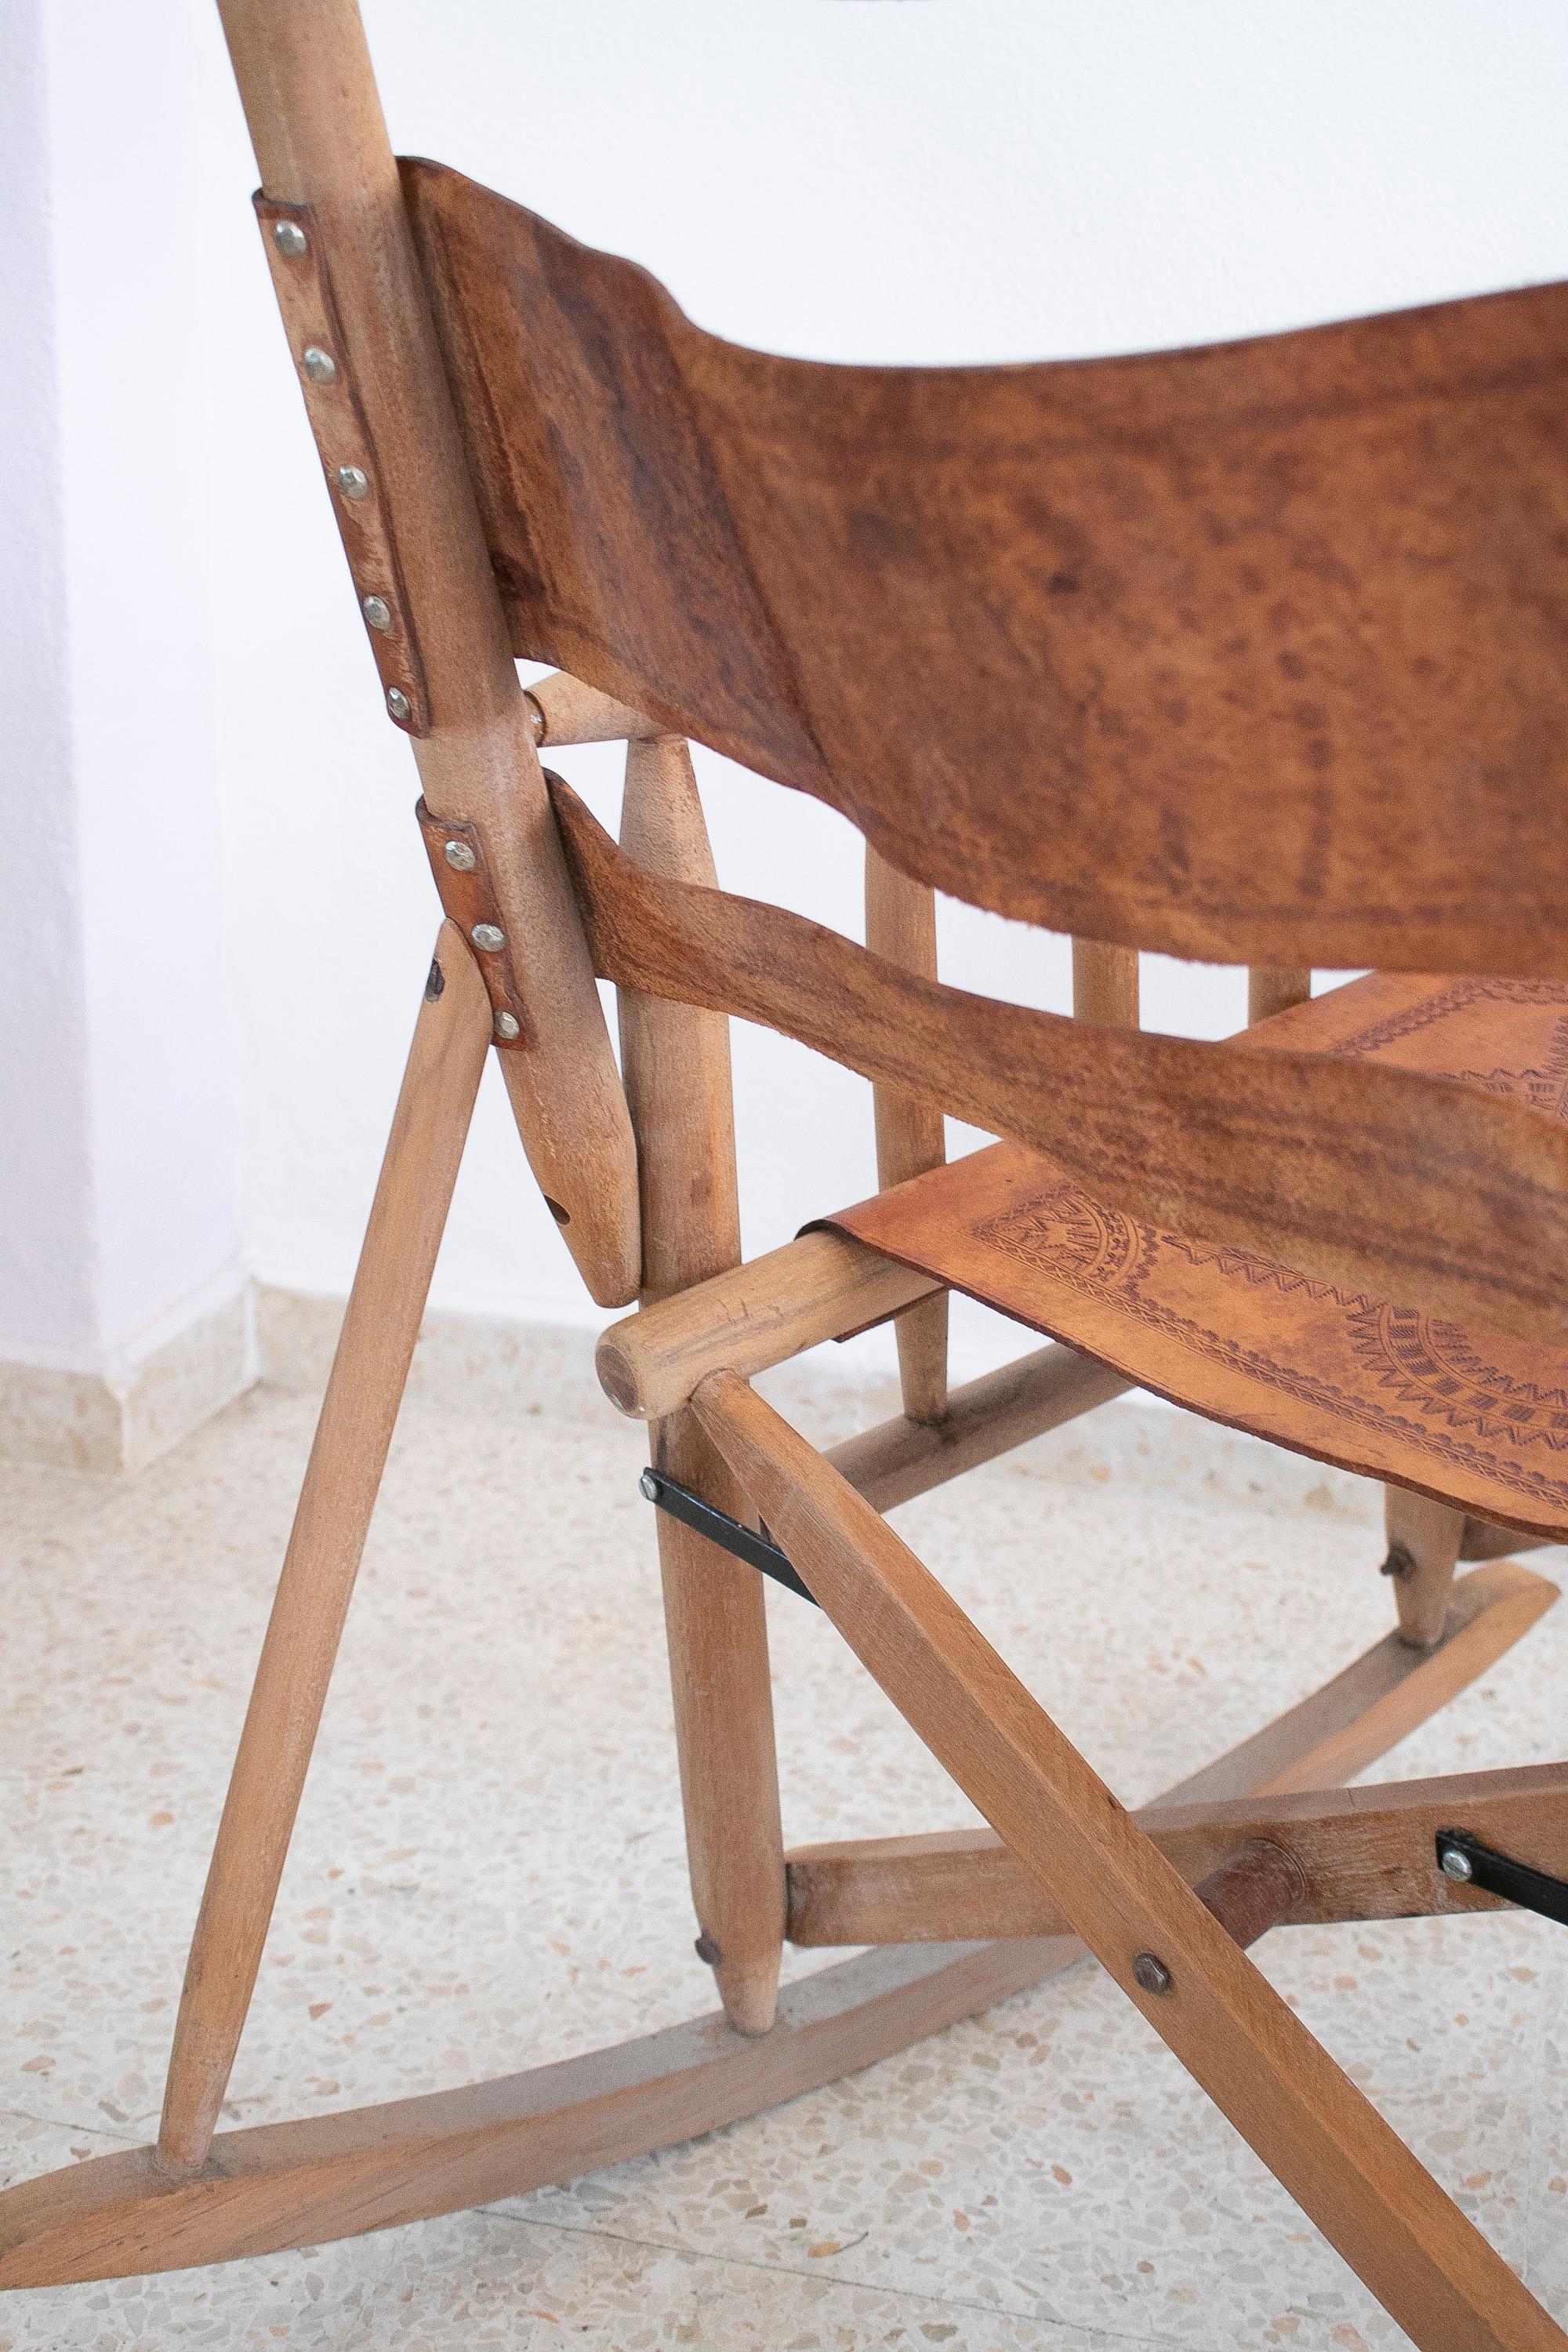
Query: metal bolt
[(377, 612), (353, 481), (489, 936), (1456, 1865), (397, 702), (319, 365), (648, 1487), (462, 855), (1150, 1973), (289, 237), (508, 1026), (535, 717)]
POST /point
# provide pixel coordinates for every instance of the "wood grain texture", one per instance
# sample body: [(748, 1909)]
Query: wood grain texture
[(821, 1287), (1426, 2263), (370, 1368), (571, 712), (310, 102), (1271, 991), (1335, 1732), (1258, 647), (1358, 1854), (899, 1459), (1423, 1539), (900, 924), (676, 1062), (1448, 1195)]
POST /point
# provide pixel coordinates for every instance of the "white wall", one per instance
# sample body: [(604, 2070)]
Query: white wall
[(118, 1184), (929, 181)]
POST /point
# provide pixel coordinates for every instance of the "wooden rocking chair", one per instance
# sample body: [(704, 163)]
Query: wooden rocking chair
[(1254, 652)]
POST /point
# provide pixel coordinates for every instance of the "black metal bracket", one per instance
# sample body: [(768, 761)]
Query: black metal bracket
[(1468, 1863), (741, 1542)]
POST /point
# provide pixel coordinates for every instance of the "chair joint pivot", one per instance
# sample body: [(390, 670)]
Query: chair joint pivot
[(741, 1542), (1465, 1860)]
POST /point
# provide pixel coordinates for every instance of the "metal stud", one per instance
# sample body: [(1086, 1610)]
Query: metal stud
[(489, 936), (318, 364), (508, 1026), (377, 612), (290, 238), (1151, 1974), (1456, 1864), (353, 482), (462, 856), (397, 702)]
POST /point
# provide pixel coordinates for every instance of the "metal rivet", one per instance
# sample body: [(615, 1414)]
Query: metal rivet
[(462, 856), (397, 702), (1456, 1865), (377, 612), (289, 237), (508, 1026), (648, 1487), (489, 936), (707, 1951), (535, 717), (353, 481), (318, 364), (1150, 1973)]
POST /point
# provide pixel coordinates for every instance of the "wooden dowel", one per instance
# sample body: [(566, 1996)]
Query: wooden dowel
[(1105, 984), (677, 1066), (1263, 1883), (1271, 989), (368, 1371), (1423, 1539), (821, 1286), (900, 924), (310, 97), (985, 1417), (571, 712)]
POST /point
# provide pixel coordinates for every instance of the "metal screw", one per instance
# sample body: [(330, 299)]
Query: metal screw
[(508, 1026), (1150, 1973), (353, 481), (648, 1487), (397, 702), (460, 854), (289, 237), (489, 936), (319, 365), (1456, 1865), (377, 612)]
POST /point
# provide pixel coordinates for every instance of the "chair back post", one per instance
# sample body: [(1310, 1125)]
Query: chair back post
[(1105, 984), (413, 526)]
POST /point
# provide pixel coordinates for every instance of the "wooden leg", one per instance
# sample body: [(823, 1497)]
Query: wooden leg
[(1426, 2264), (676, 1062), (1423, 1539), (380, 1328), (900, 924)]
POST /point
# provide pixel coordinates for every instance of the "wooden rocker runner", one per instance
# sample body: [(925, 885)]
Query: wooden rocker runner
[(1252, 653)]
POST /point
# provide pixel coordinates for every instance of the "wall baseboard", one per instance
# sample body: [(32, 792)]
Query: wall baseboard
[(492, 1369), (94, 1420)]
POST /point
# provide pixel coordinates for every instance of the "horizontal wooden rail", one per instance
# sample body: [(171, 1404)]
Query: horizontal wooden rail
[(1358, 1854), (823, 1286), (985, 1417)]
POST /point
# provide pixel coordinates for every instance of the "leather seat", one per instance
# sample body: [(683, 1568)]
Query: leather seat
[(1472, 1416)]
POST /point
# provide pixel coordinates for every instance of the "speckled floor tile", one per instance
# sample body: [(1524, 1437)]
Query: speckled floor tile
[(488, 1872)]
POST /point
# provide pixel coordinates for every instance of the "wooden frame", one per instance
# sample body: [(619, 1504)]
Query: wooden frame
[(639, 1167)]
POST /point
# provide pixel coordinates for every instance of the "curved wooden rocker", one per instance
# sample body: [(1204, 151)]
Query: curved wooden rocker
[(530, 452)]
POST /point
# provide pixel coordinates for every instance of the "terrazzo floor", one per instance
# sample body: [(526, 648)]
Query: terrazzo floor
[(489, 1873)]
